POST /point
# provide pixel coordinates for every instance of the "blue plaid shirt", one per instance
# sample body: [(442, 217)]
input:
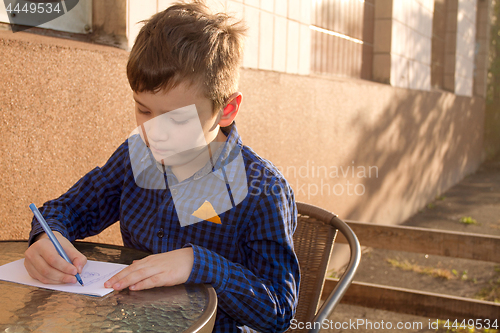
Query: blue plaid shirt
[(248, 258)]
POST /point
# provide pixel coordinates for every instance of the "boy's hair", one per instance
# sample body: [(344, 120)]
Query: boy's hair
[(187, 43)]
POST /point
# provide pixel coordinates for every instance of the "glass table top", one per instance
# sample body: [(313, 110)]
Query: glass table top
[(166, 309)]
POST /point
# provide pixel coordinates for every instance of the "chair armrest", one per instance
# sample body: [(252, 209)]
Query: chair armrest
[(346, 279)]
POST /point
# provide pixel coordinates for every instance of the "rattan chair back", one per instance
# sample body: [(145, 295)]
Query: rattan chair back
[(313, 242)]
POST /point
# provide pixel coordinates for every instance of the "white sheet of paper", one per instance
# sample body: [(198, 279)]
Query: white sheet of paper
[(94, 274)]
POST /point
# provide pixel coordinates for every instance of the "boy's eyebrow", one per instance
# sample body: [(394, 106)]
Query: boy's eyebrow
[(139, 103), (162, 112), (144, 106)]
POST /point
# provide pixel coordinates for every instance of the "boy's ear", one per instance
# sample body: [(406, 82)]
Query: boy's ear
[(230, 110)]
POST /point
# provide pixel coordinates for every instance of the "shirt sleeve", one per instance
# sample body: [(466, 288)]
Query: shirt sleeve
[(261, 293), (90, 205)]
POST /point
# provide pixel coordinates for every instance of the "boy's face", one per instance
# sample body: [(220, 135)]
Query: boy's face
[(176, 125)]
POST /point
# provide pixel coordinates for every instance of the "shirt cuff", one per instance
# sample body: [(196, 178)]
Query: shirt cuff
[(36, 229), (209, 267)]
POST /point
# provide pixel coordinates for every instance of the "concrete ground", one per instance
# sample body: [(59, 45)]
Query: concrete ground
[(476, 200)]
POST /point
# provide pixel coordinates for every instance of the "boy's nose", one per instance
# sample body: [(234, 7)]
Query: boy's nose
[(157, 129)]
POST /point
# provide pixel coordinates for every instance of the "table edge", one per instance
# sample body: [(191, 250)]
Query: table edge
[(206, 322)]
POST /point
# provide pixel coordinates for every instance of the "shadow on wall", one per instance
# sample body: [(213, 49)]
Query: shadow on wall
[(492, 130), (416, 144), (422, 144)]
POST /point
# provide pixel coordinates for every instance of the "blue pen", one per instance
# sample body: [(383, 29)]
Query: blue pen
[(53, 238)]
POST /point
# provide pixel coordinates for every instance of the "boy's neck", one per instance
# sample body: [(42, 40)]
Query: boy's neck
[(185, 171)]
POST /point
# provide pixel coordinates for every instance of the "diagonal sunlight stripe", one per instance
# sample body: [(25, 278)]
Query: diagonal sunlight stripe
[(333, 33), (64, 6)]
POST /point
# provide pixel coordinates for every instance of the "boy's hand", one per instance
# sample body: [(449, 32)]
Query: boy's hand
[(43, 262), (164, 269)]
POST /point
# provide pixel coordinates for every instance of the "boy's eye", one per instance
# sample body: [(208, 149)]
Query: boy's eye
[(143, 112), (179, 122)]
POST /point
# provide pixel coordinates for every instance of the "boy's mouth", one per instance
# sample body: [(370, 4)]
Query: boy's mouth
[(161, 151)]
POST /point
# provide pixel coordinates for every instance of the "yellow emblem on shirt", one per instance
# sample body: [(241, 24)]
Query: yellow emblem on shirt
[(207, 212)]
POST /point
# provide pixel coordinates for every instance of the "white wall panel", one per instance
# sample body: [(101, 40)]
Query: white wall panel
[(292, 53), (251, 55), (305, 50), (280, 37), (266, 40)]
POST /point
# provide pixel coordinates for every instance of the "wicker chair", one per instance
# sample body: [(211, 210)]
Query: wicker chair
[(313, 243)]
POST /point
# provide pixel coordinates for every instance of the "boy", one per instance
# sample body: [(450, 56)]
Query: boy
[(183, 186)]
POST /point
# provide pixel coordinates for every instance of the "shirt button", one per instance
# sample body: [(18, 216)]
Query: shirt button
[(174, 191), (160, 233)]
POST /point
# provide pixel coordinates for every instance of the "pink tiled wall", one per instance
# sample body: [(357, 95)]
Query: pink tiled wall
[(66, 106)]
